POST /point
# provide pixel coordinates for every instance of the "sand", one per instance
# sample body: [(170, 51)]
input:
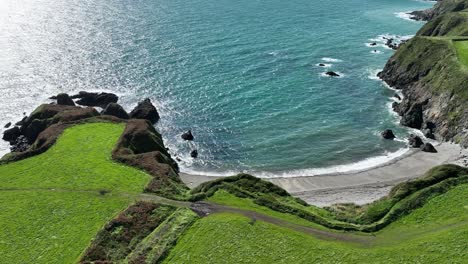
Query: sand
[(359, 187)]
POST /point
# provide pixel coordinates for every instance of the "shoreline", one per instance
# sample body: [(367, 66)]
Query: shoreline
[(359, 186)]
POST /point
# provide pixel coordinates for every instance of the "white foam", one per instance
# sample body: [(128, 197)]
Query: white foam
[(331, 59), (373, 74), (405, 15), (339, 169), (376, 52)]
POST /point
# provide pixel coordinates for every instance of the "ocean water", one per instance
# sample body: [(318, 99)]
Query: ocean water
[(241, 74)]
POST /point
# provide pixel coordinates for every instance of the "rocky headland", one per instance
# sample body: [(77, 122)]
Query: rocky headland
[(431, 76)]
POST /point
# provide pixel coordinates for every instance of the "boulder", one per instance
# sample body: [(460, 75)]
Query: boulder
[(116, 110), (33, 129), (145, 110), (11, 134), (332, 74), (415, 141), (194, 154), (388, 134), (64, 99), (428, 147), (7, 125), (413, 117), (321, 65), (373, 44), (95, 99), (187, 135), (428, 134)]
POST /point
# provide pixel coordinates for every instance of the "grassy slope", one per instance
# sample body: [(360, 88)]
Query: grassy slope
[(427, 235), (462, 51), (50, 226), (80, 160)]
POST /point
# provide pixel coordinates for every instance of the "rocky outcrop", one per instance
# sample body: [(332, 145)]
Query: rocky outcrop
[(64, 99), (428, 147), (332, 74), (442, 7), (187, 135), (116, 110), (434, 86), (145, 110), (11, 134), (415, 141), (140, 145), (388, 134), (41, 118), (95, 99)]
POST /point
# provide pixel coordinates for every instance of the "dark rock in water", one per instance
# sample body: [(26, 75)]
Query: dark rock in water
[(194, 154), (11, 134), (64, 99), (33, 129), (388, 134), (428, 147), (321, 65), (53, 97), (397, 96), (20, 144), (413, 117), (145, 110), (116, 110), (95, 99), (428, 133), (415, 141), (7, 125), (187, 135), (373, 44), (333, 74)]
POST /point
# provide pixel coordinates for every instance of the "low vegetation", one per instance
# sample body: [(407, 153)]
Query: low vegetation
[(403, 199), (462, 51), (430, 234)]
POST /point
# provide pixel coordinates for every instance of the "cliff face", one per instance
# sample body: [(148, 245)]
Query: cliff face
[(433, 80), (441, 7)]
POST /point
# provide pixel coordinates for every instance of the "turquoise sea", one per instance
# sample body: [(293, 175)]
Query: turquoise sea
[(242, 74)]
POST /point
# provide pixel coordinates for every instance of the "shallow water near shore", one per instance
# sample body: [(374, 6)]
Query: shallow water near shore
[(243, 75)]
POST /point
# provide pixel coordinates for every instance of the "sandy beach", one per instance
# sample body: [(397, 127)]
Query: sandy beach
[(359, 186)]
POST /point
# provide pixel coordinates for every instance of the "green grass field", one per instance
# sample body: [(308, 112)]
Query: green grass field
[(435, 233), (50, 205), (462, 51)]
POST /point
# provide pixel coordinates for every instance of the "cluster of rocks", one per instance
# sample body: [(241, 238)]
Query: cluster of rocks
[(329, 73), (26, 131), (188, 136), (413, 141)]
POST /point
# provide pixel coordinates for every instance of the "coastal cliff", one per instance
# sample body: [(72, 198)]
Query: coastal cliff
[(432, 73)]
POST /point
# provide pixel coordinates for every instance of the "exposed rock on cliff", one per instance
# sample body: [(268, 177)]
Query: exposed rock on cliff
[(434, 84), (145, 110), (442, 7)]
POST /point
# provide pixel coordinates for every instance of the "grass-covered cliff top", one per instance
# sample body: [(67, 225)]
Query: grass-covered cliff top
[(67, 205)]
